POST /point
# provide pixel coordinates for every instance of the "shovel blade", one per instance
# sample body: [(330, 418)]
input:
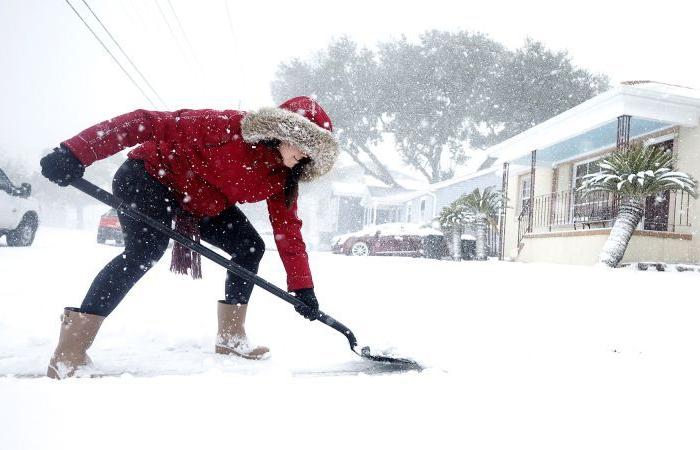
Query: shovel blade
[(402, 364)]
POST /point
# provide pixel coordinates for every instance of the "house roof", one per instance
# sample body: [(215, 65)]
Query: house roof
[(451, 181), (650, 103), (340, 188), (673, 105)]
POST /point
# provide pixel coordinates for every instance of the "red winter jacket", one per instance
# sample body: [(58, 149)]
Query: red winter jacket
[(204, 156)]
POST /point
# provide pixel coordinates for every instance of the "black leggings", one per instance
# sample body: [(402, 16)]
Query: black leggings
[(144, 246)]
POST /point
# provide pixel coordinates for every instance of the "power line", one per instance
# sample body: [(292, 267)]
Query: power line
[(136, 12), (196, 78), (182, 30), (170, 28), (110, 54), (237, 46), (125, 55)]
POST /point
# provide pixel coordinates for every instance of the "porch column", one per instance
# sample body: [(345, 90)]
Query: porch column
[(502, 215), (623, 132), (531, 206)]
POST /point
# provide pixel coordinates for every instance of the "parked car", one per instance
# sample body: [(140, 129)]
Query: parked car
[(109, 228), (400, 239), (19, 219)]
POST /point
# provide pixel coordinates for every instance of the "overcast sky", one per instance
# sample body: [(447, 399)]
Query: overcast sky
[(57, 79)]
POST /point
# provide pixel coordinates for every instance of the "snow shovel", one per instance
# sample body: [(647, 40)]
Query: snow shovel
[(400, 364)]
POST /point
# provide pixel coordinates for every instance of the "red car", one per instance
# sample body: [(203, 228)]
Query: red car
[(110, 229), (401, 239)]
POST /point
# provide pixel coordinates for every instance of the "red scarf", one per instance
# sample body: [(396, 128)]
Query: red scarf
[(185, 260)]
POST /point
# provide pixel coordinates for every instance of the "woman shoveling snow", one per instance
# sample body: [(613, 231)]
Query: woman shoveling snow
[(194, 166)]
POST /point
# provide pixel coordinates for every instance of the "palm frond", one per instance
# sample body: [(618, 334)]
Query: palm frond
[(638, 172), (469, 208)]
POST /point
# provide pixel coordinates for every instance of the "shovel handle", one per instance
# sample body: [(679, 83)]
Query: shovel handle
[(111, 200)]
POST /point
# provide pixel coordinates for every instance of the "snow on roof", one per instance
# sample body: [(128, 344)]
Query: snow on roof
[(477, 157), (664, 88), (401, 197), (485, 172), (351, 189), (675, 105)]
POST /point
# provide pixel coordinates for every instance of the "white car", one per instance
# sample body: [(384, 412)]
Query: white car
[(18, 213)]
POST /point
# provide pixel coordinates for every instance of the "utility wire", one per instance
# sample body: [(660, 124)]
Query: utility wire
[(137, 13), (170, 28), (110, 54), (196, 78), (182, 30), (236, 45), (125, 55)]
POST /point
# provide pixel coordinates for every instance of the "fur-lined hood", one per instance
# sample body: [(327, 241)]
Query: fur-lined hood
[(300, 121)]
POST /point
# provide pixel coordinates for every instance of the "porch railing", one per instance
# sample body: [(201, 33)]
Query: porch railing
[(523, 221), (668, 211)]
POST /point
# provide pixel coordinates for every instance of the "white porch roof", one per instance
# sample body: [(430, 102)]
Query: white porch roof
[(349, 189), (659, 102), (400, 198)]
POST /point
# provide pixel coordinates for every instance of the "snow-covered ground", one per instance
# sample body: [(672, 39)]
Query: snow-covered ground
[(519, 356)]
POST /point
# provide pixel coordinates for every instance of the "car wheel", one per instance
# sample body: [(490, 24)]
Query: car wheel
[(359, 249), (23, 235)]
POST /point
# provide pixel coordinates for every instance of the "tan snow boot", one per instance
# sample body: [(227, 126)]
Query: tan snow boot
[(231, 338), (78, 331)]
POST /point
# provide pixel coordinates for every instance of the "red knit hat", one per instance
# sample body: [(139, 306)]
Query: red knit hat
[(310, 109), (302, 122)]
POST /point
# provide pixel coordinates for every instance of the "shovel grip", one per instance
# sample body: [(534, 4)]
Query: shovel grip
[(339, 327)]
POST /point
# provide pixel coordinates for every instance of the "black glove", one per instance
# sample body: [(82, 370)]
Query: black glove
[(310, 307), (61, 166)]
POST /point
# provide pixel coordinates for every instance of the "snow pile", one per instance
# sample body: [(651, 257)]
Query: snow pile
[(518, 355)]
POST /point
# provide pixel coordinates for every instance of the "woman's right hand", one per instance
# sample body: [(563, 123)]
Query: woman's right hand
[(309, 308), (61, 166)]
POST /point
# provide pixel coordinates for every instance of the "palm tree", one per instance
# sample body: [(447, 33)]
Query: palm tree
[(634, 174), (452, 220), (477, 207), (482, 210)]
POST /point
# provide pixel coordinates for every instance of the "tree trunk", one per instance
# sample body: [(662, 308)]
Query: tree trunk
[(457, 242), (481, 226), (631, 211)]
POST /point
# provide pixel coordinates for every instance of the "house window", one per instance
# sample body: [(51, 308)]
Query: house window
[(592, 208), (583, 169), (422, 209), (525, 183), (408, 213), (657, 207)]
